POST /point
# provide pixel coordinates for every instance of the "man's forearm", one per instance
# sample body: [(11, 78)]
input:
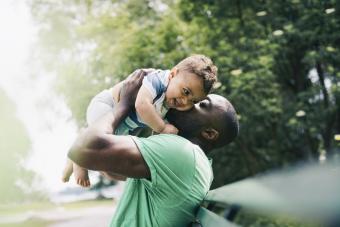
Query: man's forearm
[(97, 150), (92, 139), (113, 176), (120, 114)]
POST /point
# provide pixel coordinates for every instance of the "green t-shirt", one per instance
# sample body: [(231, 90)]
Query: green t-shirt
[(181, 176)]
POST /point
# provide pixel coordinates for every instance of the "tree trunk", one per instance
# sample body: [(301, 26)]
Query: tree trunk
[(330, 114), (322, 83)]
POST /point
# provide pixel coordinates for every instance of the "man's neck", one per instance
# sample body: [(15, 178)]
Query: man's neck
[(204, 146)]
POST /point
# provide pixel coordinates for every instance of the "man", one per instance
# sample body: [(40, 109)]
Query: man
[(169, 175)]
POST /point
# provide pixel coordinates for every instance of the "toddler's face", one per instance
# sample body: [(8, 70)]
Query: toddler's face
[(184, 90)]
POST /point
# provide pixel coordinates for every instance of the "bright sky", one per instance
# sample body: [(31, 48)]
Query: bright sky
[(44, 113)]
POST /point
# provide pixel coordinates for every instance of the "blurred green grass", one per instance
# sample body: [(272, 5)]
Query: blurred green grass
[(43, 206), (17, 211), (88, 203), (21, 208), (29, 223)]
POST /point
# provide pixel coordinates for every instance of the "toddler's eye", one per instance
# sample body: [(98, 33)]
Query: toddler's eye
[(186, 92)]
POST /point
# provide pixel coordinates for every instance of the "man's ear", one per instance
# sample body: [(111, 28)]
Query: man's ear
[(210, 134), (173, 72)]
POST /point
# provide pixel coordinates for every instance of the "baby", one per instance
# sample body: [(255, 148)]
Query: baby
[(180, 88)]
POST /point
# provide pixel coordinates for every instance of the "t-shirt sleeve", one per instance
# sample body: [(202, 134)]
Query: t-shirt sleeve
[(153, 82), (171, 162)]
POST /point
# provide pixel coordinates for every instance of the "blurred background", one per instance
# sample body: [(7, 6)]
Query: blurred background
[(278, 64)]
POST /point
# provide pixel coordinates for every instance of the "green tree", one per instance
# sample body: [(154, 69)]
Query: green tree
[(278, 64), (266, 52)]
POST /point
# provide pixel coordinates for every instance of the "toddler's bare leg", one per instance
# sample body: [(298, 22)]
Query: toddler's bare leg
[(81, 176), (68, 170)]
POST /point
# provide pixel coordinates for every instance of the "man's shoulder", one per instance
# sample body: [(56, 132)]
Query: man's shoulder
[(166, 139), (170, 138), (169, 145)]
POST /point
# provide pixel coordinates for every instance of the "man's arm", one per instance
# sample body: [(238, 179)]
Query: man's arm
[(97, 149), (112, 176)]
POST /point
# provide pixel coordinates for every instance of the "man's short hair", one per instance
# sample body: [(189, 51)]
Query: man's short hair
[(203, 67)]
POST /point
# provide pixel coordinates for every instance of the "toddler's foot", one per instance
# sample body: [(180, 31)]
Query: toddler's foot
[(81, 176), (68, 170)]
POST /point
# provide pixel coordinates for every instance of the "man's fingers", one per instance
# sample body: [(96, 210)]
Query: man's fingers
[(135, 77), (131, 87), (136, 74), (140, 76), (149, 70)]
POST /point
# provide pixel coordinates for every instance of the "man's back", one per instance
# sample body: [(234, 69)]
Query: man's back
[(181, 176)]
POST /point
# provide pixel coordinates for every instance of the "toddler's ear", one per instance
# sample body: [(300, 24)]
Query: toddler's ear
[(173, 72)]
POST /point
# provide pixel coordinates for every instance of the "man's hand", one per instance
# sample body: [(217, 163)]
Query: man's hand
[(131, 86), (169, 129), (128, 94)]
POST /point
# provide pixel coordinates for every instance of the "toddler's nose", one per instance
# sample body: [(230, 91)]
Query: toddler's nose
[(185, 101)]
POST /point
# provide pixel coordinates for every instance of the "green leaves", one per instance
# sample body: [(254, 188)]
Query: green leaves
[(275, 58)]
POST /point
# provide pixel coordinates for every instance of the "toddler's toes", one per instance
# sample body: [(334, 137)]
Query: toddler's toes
[(83, 183), (65, 179), (81, 176), (86, 183)]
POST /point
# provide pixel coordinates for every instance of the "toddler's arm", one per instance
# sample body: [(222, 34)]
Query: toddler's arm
[(147, 112)]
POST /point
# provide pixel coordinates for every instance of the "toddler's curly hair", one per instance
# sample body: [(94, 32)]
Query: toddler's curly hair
[(203, 67)]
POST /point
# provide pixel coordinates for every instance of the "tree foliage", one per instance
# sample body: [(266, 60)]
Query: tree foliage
[(278, 64)]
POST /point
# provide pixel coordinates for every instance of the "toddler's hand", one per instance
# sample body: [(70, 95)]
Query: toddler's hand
[(170, 129)]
